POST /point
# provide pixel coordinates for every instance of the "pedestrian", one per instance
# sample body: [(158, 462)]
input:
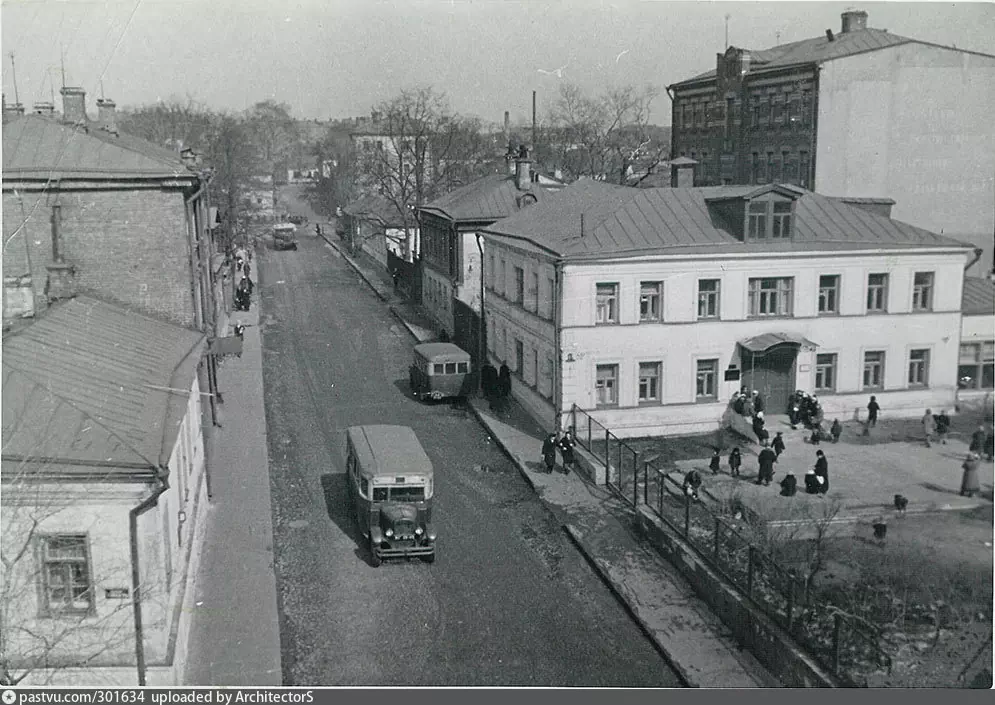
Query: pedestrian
[(816, 436), (836, 430), (759, 405), (504, 385), (822, 471), (567, 444), (989, 447), (778, 444), (794, 409), (928, 427), (317, 229), (549, 452), (942, 426), (692, 483), (978, 440), (766, 459), (735, 461), (395, 276), (488, 378), (872, 415), (969, 482), (811, 482), (758, 428), (789, 486), (246, 268), (713, 465)]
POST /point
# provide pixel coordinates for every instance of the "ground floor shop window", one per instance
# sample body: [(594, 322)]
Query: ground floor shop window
[(976, 367)]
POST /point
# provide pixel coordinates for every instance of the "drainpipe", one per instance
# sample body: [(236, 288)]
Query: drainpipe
[(481, 348), (673, 132), (978, 252), (558, 357), (162, 476)]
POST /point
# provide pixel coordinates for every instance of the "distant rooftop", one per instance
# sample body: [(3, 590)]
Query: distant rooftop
[(489, 198), (978, 298)]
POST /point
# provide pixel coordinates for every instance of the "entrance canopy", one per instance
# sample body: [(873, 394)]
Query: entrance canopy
[(760, 344)]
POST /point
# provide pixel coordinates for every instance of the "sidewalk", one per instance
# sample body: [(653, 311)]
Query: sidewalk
[(692, 639), (235, 632)]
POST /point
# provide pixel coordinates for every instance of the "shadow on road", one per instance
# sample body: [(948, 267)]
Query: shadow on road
[(339, 506)]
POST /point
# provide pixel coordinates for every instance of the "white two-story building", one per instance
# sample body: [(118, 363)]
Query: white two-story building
[(649, 308)]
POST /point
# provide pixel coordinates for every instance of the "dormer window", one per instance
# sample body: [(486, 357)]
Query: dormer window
[(758, 221), (769, 220), (782, 220)]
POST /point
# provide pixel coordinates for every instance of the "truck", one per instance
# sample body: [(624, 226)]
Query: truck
[(285, 236)]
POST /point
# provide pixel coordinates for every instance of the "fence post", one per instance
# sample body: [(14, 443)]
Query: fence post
[(573, 418), (749, 571), (837, 629), (687, 514), (635, 479), (791, 600), (589, 439), (608, 457), (718, 528), (659, 493), (646, 483)]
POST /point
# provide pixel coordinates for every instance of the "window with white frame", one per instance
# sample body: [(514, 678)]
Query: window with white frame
[(825, 372), (976, 365), (519, 291), (550, 371), (650, 301), (758, 220), (607, 303), (66, 580), (781, 220), (606, 385), (707, 379), (922, 292), (771, 297), (874, 369), (708, 298), (534, 293), (829, 294), (649, 381), (877, 293), (918, 368)]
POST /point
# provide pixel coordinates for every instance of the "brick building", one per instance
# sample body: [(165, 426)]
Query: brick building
[(862, 112)]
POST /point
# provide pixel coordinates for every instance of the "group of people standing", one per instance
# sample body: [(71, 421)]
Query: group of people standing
[(243, 291), (565, 444), (496, 385)]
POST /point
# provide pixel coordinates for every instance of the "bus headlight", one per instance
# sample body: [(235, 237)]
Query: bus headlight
[(388, 533), (419, 531), (431, 536)]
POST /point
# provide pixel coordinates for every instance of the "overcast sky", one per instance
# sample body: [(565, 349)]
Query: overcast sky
[(338, 58)]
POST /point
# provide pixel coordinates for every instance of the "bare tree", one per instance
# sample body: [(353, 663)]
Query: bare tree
[(231, 155), (273, 132), (174, 123), (608, 137)]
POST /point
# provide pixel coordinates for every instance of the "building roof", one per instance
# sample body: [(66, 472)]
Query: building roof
[(978, 298), (38, 147), (819, 49), (624, 221), (374, 207), (489, 198), (88, 382)]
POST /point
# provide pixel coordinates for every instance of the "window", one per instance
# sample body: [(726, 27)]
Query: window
[(450, 368), (688, 119), (771, 297), (704, 166), (803, 169), (755, 168), (500, 284), (463, 367), (922, 292), (549, 299), (794, 107), (708, 298), (874, 369), (730, 115), (438, 368), (781, 222), (776, 174), (777, 109), (607, 303), (699, 114), (754, 111), (549, 375), (976, 366), (535, 367), (649, 381), (65, 575), (534, 292), (829, 291), (519, 285), (519, 358), (806, 109), (708, 113), (918, 368), (707, 380), (788, 167), (650, 298), (877, 293), (606, 385), (825, 372), (764, 108), (490, 273), (770, 167), (758, 220)]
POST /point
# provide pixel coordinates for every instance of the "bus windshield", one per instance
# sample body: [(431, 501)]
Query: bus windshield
[(399, 494)]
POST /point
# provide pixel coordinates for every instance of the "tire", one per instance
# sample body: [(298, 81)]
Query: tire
[(375, 560), (430, 558)]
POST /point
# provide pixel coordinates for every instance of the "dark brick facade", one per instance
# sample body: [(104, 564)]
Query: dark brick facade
[(745, 129), (127, 246)]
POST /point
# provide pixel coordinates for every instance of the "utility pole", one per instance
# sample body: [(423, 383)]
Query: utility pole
[(727, 31), (534, 128), (13, 74)]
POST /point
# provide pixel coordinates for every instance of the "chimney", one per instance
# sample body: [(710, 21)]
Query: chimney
[(105, 110), (523, 169), (829, 35), (12, 110), (73, 104), (507, 126), (682, 173), (44, 109), (190, 158), (853, 20)]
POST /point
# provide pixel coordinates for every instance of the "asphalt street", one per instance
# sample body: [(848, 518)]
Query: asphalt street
[(508, 601)]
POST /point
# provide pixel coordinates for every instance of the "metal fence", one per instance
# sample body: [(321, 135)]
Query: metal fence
[(839, 643)]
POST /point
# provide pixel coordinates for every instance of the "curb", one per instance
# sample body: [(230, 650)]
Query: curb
[(504, 449), (682, 673)]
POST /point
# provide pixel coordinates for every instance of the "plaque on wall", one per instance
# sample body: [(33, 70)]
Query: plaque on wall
[(732, 375)]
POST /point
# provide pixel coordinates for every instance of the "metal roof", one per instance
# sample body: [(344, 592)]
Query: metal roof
[(389, 450), (488, 198), (88, 381), (37, 147), (978, 298), (624, 221), (379, 208), (819, 49)]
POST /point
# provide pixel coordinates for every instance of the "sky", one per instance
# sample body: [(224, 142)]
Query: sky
[(339, 58)]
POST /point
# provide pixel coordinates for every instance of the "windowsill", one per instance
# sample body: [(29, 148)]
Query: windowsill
[(872, 389), (768, 317), (922, 310), (67, 613), (916, 387), (651, 320), (606, 323), (825, 392), (876, 313), (828, 313)]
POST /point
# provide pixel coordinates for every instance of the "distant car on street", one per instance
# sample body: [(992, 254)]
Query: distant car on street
[(285, 236), (297, 219)]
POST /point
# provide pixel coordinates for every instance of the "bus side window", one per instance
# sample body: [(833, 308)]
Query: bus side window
[(450, 368), (464, 368), (438, 368)]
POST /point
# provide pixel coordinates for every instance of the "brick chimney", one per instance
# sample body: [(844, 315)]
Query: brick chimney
[(507, 127), (523, 169), (11, 111), (853, 20), (682, 172), (61, 281), (73, 104), (45, 109), (105, 115)]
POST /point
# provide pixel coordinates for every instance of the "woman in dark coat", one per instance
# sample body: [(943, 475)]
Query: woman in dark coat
[(488, 380), (822, 470), (969, 482), (978, 440), (735, 461), (567, 450), (811, 482), (504, 385), (549, 452)]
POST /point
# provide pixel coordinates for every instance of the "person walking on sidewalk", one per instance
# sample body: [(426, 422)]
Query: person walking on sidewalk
[(822, 471), (567, 444), (928, 427), (978, 440), (735, 462), (778, 444), (969, 482), (767, 458), (872, 415), (713, 465), (549, 452), (836, 430), (942, 426), (504, 385)]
